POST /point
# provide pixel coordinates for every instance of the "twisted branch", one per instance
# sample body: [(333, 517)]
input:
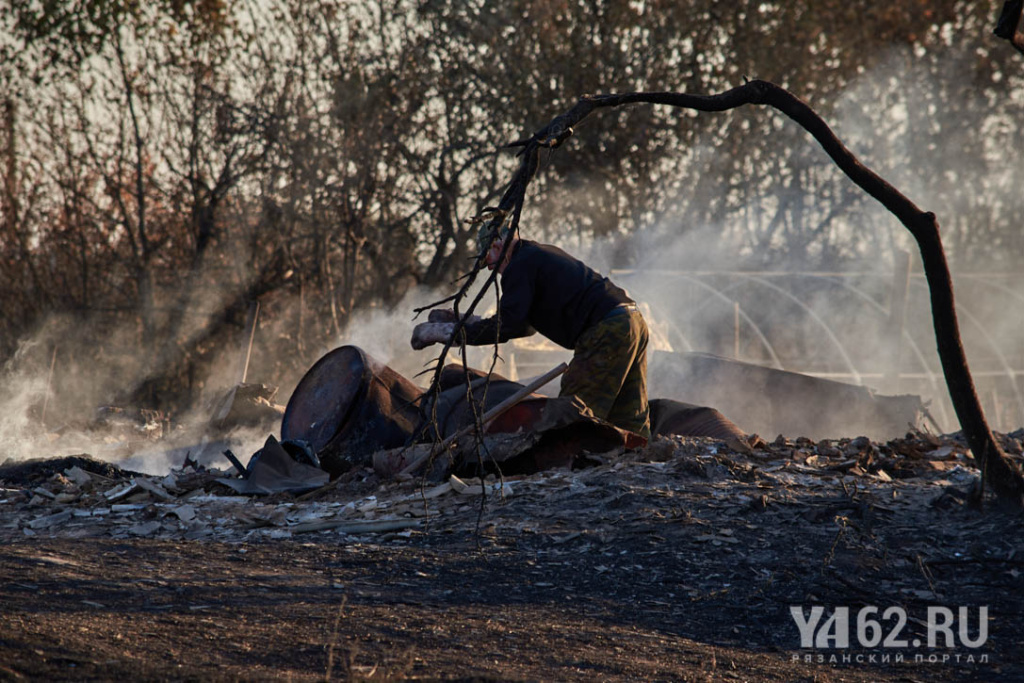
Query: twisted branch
[(1002, 475)]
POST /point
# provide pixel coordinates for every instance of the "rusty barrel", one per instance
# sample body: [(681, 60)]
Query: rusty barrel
[(348, 406), (455, 411)]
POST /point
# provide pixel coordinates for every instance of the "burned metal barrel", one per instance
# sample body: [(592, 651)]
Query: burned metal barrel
[(537, 433), (455, 410), (349, 406)]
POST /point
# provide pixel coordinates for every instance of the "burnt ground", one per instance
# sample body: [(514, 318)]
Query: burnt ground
[(677, 562)]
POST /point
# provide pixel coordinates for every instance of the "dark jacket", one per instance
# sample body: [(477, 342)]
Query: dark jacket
[(545, 290)]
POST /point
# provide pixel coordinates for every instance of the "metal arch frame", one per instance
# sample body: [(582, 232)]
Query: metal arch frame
[(810, 312), (675, 328), (743, 314), (881, 310), (979, 279), (836, 281), (932, 376), (1010, 373)]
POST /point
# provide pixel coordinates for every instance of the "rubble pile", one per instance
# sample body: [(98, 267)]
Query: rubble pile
[(78, 497)]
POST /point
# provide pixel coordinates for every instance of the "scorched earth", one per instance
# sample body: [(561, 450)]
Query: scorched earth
[(679, 561)]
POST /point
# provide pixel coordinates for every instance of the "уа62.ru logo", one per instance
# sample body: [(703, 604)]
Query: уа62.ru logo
[(873, 627)]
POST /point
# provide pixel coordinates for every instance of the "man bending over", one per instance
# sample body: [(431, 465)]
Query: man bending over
[(544, 289)]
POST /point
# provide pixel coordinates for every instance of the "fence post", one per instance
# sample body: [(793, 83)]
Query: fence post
[(898, 316)]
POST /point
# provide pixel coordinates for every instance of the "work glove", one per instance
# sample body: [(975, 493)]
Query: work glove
[(425, 334), (447, 315), (441, 315)]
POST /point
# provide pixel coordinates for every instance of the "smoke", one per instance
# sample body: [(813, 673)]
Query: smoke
[(25, 392), (705, 288), (714, 289), (66, 388), (946, 145), (385, 334)]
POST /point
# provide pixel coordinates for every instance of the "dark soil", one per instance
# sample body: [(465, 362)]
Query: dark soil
[(679, 562)]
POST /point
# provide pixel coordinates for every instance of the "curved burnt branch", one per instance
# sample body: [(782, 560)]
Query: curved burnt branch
[(1003, 476)]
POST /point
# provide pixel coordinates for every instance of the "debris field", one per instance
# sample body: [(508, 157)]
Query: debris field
[(677, 561)]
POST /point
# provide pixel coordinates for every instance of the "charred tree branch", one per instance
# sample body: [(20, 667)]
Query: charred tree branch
[(1002, 475)]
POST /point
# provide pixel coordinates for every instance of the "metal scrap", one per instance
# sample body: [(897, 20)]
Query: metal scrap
[(670, 479)]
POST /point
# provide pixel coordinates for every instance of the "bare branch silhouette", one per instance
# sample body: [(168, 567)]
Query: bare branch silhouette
[(1003, 476)]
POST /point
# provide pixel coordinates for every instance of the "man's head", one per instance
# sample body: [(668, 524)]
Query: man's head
[(493, 255), (491, 240)]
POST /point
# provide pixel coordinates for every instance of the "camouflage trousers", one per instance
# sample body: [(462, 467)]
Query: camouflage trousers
[(608, 371)]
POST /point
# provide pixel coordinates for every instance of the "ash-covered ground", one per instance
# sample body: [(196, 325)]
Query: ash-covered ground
[(680, 561)]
